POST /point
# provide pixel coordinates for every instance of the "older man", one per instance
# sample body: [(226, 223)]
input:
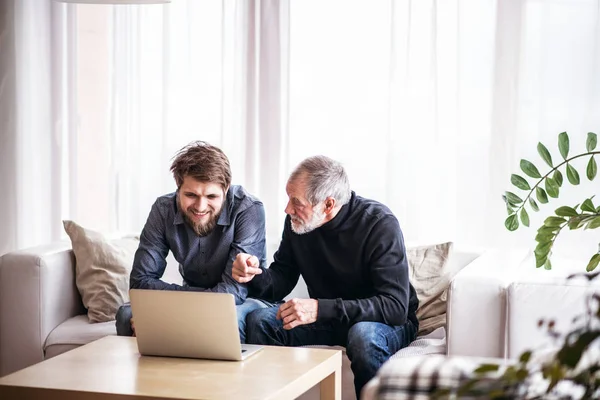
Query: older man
[(205, 224), (350, 252)]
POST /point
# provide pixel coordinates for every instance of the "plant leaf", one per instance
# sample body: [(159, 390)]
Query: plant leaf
[(512, 223), (594, 223), (594, 261), (592, 140), (544, 237), (519, 182), (485, 368), (557, 176), (530, 169), (587, 205), (551, 187), (525, 356), (566, 211), (592, 169), (541, 195), (572, 175), (524, 217), (513, 198), (554, 221), (545, 154), (533, 204), (563, 145), (548, 265)]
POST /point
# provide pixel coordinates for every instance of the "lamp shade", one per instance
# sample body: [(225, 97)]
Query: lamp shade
[(115, 1)]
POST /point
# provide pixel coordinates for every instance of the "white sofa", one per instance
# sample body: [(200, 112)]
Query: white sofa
[(41, 314)]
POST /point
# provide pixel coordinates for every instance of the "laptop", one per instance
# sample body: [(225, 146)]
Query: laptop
[(188, 324)]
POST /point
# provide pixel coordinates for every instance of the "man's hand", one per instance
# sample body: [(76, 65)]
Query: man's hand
[(245, 267), (297, 312)]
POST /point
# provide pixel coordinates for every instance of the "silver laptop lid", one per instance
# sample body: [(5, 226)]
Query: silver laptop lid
[(186, 324)]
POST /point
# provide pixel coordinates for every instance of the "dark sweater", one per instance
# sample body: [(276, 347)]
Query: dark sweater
[(355, 265)]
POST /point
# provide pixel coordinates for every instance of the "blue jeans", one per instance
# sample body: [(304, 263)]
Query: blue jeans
[(368, 344), (124, 316)]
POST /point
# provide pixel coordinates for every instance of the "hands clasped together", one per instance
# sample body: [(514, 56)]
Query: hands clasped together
[(293, 312)]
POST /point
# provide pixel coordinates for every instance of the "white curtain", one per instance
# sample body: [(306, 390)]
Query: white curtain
[(34, 98), (429, 104)]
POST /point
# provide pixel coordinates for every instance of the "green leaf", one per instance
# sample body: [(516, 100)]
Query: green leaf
[(554, 221), (551, 187), (533, 204), (594, 261), (513, 198), (592, 140), (563, 145), (566, 211), (530, 169), (545, 154), (524, 358), (519, 182), (594, 223), (541, 195), (588, 205), (540, 260), (544, 237), (592, 169), (572, 175), (524, 217), (576, 222), (512, 223), (548, 265), (547, 229), (558, 178), (485, 368)]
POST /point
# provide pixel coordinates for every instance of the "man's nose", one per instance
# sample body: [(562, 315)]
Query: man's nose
[(201, 204), (289, 209)]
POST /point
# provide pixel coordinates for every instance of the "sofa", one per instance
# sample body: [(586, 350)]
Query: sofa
[(42, 316), (503, 297)]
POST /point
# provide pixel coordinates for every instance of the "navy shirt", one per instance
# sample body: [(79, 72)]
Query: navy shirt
[(355, 265), (205, 263)]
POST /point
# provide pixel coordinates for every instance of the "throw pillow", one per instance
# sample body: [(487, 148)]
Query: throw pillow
[(102, 269), (430, 275)]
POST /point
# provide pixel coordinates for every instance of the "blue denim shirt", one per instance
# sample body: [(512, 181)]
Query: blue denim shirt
[(205, 263)]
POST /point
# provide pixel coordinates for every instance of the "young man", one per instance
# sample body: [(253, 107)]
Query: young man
[(350, 252), (205, 224)]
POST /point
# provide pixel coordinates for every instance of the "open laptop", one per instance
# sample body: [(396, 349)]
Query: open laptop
[(188, 324)]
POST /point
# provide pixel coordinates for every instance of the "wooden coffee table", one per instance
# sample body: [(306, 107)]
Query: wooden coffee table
[(112, 368)]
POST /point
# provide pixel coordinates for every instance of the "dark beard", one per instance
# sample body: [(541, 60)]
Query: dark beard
[(202, 230)]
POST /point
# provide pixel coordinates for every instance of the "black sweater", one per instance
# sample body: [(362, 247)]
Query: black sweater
[(355, 265)]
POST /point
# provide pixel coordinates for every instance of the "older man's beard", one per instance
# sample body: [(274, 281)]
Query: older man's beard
[(301, 228), (201, 229)]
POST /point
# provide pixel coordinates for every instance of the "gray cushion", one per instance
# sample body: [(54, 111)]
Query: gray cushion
[(76, 332)]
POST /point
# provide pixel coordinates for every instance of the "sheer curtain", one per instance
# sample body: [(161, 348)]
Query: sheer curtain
[(431, 104), (35, 94)]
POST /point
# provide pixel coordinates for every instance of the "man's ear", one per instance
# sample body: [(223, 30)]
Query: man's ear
[(329, 205)]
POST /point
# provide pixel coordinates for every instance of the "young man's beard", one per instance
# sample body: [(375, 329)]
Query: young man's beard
[(200, 229)]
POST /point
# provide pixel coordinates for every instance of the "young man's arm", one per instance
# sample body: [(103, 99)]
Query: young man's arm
[(388, 267), (150, 262)]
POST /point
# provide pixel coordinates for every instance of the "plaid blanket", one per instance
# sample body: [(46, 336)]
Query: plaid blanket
[(417, 378)]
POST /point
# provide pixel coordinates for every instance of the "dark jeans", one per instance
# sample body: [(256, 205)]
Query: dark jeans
[(124, 316), (368, 344)]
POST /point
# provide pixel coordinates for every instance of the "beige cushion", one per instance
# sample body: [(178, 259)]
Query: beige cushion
[(430, 275), (102, 269)]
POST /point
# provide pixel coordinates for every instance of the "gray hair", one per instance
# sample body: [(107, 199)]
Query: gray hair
[(325, 178)]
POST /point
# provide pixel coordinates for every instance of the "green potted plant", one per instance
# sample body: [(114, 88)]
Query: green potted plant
[(548, 185)]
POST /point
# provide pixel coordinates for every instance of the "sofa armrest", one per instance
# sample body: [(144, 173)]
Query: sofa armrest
[(477, 304), (37, 293)]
